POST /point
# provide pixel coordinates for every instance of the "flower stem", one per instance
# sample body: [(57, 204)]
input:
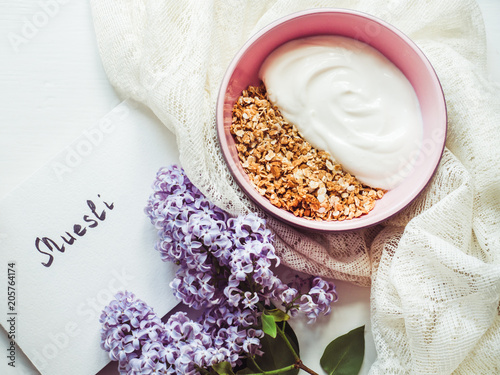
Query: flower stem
[(300, 365), (278, 371), (256, 364), (281, 332), (298, 362), (296, 365)]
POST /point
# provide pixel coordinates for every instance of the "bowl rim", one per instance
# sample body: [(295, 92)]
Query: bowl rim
[(284, 215)]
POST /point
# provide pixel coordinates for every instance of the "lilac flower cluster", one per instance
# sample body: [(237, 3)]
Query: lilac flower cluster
[(225, 269), (142, 344), (316, 301), (219, 256)]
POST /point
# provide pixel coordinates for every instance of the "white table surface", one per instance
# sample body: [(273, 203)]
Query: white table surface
[(53, 87)]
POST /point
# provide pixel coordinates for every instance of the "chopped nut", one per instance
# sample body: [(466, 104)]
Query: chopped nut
[(275, 171)]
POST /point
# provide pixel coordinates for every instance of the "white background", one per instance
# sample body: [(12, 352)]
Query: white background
[(53, 87)]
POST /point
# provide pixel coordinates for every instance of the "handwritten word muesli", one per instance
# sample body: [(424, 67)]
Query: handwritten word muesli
[(46, 245)]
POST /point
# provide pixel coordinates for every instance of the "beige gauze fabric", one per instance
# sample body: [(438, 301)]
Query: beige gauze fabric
[(434, 269)]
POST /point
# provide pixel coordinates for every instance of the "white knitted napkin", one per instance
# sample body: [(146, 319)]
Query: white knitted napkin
[(434, 269)]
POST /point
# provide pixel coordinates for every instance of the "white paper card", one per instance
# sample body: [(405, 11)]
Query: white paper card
[(93, 195)]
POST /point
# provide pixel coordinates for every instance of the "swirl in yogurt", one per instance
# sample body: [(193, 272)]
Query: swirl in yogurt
[(346, 98)]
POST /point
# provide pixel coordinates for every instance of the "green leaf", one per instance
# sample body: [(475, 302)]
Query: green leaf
[(223, 368), (276, 353), (344, 355), (278, 315), (292, 337), (268, 325)]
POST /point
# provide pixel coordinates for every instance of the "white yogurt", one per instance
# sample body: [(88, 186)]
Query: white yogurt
[(348, 99)]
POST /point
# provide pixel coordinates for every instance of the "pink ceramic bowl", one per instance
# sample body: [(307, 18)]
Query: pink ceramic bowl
[(392, 43)]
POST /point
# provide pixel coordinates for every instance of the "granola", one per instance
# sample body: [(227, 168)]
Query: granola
[(287, 170)]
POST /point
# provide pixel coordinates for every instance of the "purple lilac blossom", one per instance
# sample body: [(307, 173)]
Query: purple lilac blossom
[(313, 303), (225, 270), (318, 300), (136, 338)]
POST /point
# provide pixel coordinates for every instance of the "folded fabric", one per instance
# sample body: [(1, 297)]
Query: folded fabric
[(434, 269)]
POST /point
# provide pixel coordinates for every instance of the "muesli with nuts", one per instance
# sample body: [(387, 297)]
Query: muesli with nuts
[(287, 170)]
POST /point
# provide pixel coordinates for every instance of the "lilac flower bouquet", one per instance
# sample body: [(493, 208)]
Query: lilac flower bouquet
[(225, 271)]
